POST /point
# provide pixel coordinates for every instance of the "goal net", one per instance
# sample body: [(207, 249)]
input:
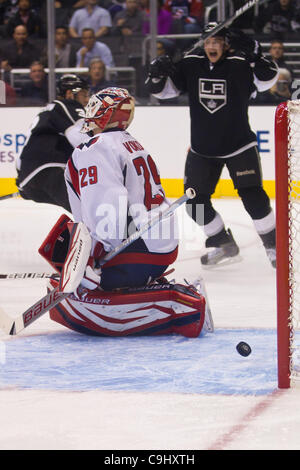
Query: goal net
[(287, 164)]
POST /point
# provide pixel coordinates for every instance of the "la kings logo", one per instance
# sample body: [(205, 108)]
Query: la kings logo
[(212, 94)]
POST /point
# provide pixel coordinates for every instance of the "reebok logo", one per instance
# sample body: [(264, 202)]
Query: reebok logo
[(246, 172)]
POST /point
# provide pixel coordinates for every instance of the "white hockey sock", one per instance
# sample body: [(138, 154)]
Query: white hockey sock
[(266, 224)]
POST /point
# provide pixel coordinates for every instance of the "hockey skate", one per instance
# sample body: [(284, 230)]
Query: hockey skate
[(224, 251), (269, 242), (199, 285)]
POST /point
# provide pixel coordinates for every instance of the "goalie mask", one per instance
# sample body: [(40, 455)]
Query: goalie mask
[(110, 108)]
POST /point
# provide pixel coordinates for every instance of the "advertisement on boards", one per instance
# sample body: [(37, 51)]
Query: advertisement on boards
[(163, 130)]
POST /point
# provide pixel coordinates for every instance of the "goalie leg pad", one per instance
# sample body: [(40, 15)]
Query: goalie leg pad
[(159, 309)]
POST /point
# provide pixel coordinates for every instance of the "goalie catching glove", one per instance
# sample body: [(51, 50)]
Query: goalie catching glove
[(78, 266), (240, 41)]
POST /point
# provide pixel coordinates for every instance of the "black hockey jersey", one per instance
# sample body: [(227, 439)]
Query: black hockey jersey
[(53, 136), (218, 98)]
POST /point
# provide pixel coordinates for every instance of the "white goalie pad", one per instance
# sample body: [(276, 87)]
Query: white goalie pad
[(77, 258)]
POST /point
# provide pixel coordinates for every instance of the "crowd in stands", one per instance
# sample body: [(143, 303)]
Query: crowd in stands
[(85, 29)]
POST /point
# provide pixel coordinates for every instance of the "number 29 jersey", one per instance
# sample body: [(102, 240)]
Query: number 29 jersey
[(114, 187)]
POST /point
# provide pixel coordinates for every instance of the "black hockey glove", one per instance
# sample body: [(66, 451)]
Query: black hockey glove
[(161, 67), (240, 41)]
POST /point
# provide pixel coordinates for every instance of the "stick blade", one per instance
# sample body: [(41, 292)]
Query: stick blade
[(7, 324)]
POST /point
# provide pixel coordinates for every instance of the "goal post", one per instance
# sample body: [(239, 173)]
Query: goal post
[(287, 176)]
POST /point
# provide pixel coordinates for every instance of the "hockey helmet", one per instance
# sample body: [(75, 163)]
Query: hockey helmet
[(210, 27), (71, 82), (109, 108)]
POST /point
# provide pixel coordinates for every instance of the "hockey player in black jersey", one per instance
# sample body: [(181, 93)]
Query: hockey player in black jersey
[(219, 80), (53, 136)]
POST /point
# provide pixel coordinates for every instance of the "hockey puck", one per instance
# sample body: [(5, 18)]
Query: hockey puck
[(243, 349)]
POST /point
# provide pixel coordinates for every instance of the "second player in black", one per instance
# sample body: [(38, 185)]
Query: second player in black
[(220, 78), (53, 136)]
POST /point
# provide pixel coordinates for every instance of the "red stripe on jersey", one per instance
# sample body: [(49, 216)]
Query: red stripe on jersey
[(158, 259), (74, 176)]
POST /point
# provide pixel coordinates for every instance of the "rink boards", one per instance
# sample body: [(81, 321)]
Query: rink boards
[(164, 131)]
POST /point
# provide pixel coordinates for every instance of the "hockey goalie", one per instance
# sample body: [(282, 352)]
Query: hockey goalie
[(114, 188)]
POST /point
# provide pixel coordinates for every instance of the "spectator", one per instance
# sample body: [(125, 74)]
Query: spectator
[(278, 19), (277, 54), (164, 19), (188, 13), (115, 6), (25, 16), (62, 13), (92, 48), (65, 53), (166, 47), (20, 52), (281, 89), (74, 4), (96, 79), (130, 20), (10, 8), (279, 92), (91, 16), (35, 93), (10, 96)]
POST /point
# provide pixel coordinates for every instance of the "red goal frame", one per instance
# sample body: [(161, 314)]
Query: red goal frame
[(282, 186)]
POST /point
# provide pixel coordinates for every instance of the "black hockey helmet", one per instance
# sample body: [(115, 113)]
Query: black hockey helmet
[(222, 32), (71, 82)]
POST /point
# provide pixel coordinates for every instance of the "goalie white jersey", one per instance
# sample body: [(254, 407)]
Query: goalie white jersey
[(114, 187)]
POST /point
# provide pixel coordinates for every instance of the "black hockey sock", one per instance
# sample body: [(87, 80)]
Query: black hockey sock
[(256, 201), (200, 209)]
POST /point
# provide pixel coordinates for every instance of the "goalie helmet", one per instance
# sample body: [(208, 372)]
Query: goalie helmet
[(109, 108), (71, 82)]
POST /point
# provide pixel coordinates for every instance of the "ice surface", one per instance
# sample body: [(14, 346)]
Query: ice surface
[(63, 390)]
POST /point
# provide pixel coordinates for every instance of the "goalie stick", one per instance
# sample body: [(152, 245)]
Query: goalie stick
[(13, 326)]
